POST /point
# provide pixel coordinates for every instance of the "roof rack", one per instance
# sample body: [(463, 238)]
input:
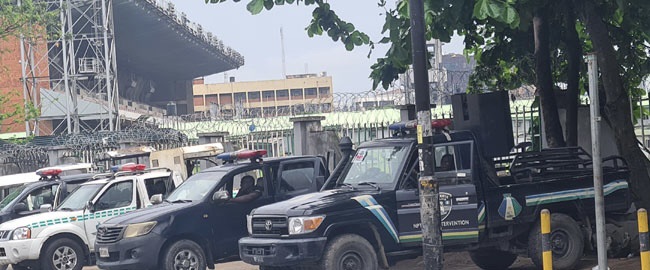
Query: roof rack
[(554, 162)]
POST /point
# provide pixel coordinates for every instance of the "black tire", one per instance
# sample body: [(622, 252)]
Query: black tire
[(567, 243), (185, 254), (492, 259), (349, 252), (63, 253)]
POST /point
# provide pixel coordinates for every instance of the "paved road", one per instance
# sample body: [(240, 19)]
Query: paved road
[(460, 261)]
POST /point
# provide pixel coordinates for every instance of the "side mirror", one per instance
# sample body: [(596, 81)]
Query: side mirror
[(156, 199), (90, 206), (45, 207), (220, 196), (20, 207)]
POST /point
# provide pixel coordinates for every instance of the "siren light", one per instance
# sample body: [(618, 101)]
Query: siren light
[(49, 172), (129, 167), (242, 154)]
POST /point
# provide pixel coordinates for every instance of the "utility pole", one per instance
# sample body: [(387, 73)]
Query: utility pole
[(429, 199), (599, 197)]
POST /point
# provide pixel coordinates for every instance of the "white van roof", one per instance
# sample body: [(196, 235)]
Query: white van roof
[(24, 178)]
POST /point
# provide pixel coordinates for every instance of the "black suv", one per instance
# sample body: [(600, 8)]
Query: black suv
[(200, 223)]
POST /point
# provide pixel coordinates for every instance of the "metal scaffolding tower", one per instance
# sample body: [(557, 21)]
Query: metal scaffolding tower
[(78, 62)]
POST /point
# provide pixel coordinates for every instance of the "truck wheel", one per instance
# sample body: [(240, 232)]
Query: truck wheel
[(63, 254), (567, 242), (184, 255), (492, 259), (349, 252)]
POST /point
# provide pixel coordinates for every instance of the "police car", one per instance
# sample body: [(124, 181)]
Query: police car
[(63, 238), (201, 221)]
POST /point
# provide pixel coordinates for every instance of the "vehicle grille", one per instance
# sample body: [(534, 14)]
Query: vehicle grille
[(278, 226), (109, 234), (3, 253), (5, 234)]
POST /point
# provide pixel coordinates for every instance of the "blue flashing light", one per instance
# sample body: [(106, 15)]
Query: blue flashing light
[(241, 154)]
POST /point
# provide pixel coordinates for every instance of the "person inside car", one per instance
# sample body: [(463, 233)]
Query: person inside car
[(248, 191)]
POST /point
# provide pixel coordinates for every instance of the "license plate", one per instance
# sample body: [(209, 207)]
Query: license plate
[(103, 253), (258, 251)]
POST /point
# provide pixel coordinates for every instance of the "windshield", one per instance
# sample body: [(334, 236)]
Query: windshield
[(379, 165), (79, 197), (9, 198), (196, 187)]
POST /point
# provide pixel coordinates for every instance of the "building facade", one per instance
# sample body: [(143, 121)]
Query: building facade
[(297, 94)]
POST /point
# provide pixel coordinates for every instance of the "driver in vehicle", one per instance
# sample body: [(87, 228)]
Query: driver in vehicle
[(248, 191)]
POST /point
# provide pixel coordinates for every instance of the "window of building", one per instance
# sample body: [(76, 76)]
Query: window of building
[(211, 99), (283, 110), (326, 107), (383, 103), (296, 93), (282, 94), (240, 98), (268, 95), (269, 110), (310, 92), (255, 112), (225, 99), (300, 108), (253, 96), (324, 91), (198, 101)]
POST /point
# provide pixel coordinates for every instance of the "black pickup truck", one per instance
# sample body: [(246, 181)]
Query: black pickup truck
[(368, 217), (199, 223)]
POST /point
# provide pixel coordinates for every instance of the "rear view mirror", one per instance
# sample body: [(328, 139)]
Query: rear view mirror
[(220, 196), (20, 207), (156, 199), (90, 206)]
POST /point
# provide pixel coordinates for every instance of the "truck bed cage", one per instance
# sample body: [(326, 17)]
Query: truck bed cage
[(565, 162)]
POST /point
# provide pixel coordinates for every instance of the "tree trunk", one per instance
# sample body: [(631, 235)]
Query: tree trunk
[(574, 62), (544, 78), (617, 107)]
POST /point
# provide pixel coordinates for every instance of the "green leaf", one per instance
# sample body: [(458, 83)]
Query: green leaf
[(268, 4), (511, 16), (618, 16), (255, 6), (480, 9), (349, 46)]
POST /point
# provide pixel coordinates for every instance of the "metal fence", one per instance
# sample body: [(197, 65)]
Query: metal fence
[(276, 136)]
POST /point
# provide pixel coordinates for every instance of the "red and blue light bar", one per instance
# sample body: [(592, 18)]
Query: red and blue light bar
[(129, 167), (413, 124), (242, 154), (48, 172)]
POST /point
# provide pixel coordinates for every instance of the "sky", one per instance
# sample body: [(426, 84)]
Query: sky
[(257, 38)]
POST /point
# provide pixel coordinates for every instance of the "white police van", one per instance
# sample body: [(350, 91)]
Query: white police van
[(62, 239)]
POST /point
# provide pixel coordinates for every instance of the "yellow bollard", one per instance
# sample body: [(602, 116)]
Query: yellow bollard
[(644, 241), (547, 254)]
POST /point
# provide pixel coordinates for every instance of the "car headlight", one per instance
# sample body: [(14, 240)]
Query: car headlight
[(302, 225), (22, 233), (139, 229), (249, 224)]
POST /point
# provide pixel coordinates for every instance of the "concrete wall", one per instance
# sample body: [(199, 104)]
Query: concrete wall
[(608, 141)]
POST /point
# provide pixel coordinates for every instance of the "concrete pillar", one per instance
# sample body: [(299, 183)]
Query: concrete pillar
[(303, 128), (406, 112)]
